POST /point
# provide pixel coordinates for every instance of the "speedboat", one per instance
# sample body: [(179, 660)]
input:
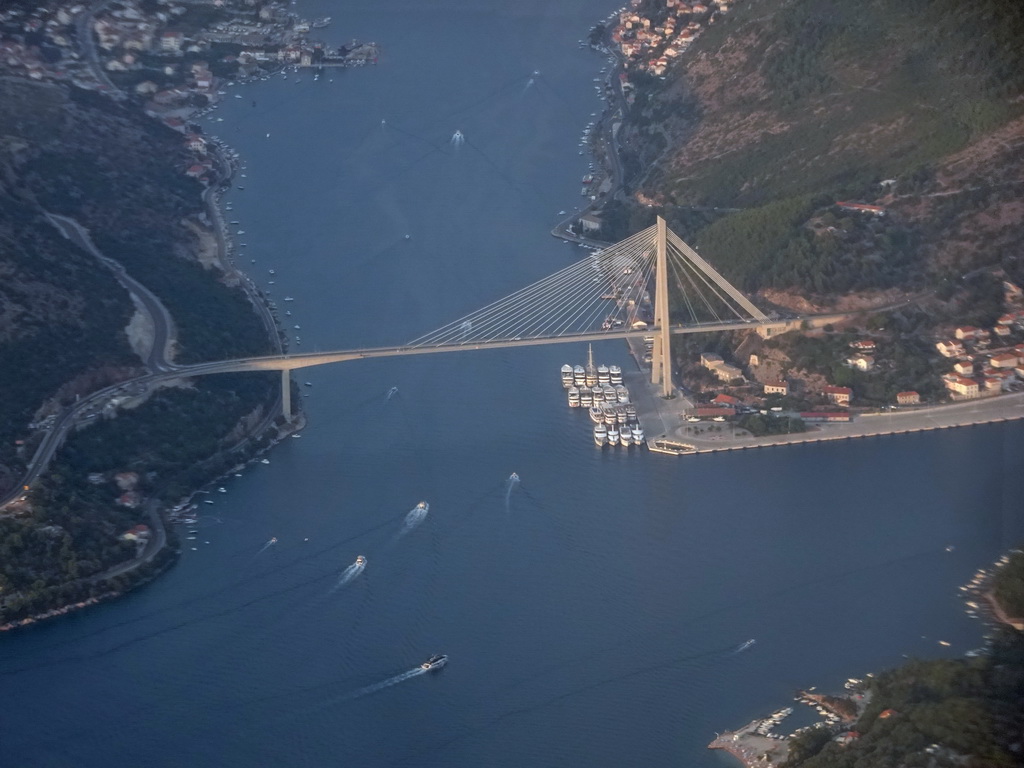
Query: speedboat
[(360, 560), (422, 507), (436, 661), (514, 477)]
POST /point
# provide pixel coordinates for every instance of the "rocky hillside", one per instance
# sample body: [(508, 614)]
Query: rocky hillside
[(784, 107)]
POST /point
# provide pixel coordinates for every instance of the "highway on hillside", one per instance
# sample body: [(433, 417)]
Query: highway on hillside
[(160, 319)]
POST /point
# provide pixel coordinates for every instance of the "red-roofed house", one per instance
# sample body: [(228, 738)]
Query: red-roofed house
[(962, 386), (726, 400), (863, 345), (195, 171), (838, 395), (910, 397), (1003, 360), (967, 332)]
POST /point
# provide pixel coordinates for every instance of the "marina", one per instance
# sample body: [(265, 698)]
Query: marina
[(600, 390)]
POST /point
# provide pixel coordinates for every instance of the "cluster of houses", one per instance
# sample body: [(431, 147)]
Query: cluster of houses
[(650, 41), (40, 42), (978, 368)]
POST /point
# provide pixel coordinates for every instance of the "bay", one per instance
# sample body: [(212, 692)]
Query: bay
[(592, 612)]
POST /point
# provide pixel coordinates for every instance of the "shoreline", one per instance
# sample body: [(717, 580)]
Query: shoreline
[(676, 436)]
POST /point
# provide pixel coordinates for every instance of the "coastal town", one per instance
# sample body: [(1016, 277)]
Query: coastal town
[(841, 719)]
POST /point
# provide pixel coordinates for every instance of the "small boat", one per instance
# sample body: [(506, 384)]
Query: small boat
[(264, 461), (600, 435), (222, 489), (422, 507), (436, 661), (288, 298), (207, 501), (360, 560)]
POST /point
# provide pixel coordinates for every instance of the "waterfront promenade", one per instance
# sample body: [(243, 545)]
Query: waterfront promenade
[(664, 420)]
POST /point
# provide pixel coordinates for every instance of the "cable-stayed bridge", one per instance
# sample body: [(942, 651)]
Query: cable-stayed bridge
[(650, 284)]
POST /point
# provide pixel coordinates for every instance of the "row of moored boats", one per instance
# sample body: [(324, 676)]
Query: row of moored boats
[(601, 391)]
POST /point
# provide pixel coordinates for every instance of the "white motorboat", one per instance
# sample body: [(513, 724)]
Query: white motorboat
[(574, 397)]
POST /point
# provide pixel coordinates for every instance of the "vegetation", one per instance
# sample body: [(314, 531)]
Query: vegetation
[(901, 363), (62, 314), (176, 441), (62, 318), (943, 712), (1008, 585), (759, 424)]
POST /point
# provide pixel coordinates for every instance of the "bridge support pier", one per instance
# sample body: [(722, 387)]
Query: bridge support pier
[(286, 394), (661, 355)]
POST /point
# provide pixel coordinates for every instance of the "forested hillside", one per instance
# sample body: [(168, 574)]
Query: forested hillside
[(784, 107)]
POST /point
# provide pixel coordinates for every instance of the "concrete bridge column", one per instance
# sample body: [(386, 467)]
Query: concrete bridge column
[(286, 394), (661, 355)]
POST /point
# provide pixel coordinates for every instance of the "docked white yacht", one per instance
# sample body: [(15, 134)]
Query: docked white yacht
[(621, 394), (613, 435), (600, 434), (625, 436), (615, 374), (596, 414), (638, 433), (586, 397), (603, 375), (574, 397), (566, 374)]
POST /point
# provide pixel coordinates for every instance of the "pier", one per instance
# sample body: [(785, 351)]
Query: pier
[(669, 433)]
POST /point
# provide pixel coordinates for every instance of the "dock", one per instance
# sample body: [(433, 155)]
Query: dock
[(668, 432), (752, 748)]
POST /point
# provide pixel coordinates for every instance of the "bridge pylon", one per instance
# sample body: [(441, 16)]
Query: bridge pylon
[(286, 393), (661, 355)]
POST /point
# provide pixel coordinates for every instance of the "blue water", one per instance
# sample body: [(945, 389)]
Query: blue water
[(591, 613)]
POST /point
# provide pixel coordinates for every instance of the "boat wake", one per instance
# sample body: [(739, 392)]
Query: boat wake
[(415, 517), (268, 545), (391, 393), (743, 646), (414, 672), (349, 575), (513, 481)]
